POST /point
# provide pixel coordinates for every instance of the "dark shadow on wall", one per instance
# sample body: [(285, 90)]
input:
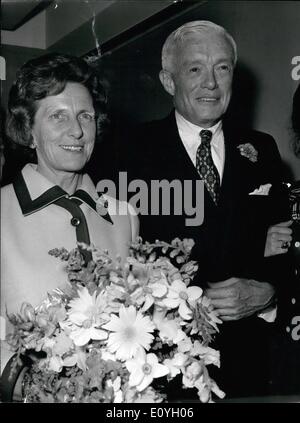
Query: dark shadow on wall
[(245, 89)]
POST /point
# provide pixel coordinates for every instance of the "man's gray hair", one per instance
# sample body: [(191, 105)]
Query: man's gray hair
[(195, 27)]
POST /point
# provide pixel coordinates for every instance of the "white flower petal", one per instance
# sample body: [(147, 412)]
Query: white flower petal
[(160, 370), (178, 286), (149, 300), (179, 359), (159, 290), (118, 397), (55, 364), (80, 337), (184, 311), (140, 356), (127, 315), (194, 292), (114, 324), (98, 334), (151, 359), (173, 370), (117, 383), (70, 361), (180, 336), (77, 317), (132, 365), (147, 380), (171, 302), (81, 359), (136, 377)]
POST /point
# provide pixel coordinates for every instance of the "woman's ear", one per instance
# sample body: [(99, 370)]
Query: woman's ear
[(33, 143), (167, 81)]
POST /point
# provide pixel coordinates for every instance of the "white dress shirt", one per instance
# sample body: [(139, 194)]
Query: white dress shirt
[(190, 136)]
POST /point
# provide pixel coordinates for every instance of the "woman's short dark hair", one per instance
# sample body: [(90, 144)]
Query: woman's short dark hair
[(45, 76), (296, 121)]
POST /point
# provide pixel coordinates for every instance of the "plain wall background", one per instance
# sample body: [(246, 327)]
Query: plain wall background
[(268, 37)]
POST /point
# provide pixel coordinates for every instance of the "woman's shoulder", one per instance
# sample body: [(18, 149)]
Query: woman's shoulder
[(118, 209), (10, 208), (7, 192), (115, 206)]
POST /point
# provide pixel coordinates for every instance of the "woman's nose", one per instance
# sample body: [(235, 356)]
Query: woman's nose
[(75, 129)]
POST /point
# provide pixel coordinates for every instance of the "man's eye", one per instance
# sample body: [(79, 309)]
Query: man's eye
[(194, 69), (89, 117), (224, 68)]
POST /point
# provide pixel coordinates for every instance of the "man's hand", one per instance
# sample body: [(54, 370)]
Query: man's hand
[(279, 239), (236, 298)]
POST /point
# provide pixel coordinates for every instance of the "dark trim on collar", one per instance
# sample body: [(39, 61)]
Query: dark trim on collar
[(29, 206)]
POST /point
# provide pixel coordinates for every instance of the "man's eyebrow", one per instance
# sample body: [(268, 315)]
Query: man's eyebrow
[(225, 59), (192, 62), (87, 111), (201, 61)]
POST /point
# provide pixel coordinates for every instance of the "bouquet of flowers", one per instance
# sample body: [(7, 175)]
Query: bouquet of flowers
[(119, 331)]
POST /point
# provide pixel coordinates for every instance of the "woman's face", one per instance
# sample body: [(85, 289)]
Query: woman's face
[(64, 130)]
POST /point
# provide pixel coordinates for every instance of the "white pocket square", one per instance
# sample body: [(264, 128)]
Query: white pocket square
[(262, 190)]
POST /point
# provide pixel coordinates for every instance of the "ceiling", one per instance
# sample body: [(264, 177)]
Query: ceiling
[(79, 26), (15, 13)]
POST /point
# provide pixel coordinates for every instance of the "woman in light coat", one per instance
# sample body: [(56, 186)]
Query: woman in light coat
[(56, 107)]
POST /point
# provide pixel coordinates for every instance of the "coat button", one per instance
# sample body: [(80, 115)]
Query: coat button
[(75, 221)]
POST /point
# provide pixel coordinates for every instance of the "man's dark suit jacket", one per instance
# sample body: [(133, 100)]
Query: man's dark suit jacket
[(232, 233), (231, 240)]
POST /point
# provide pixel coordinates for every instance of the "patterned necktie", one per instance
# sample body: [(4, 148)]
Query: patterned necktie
[(206, 167)]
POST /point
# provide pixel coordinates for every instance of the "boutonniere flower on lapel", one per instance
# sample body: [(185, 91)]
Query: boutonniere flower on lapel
[(247, 150), (262, 190)]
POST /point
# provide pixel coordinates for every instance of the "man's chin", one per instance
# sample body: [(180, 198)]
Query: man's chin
[(207, 122), (207, 116)]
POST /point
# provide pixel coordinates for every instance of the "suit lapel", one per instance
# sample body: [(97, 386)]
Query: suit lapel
[(238, 178), (231, 181)]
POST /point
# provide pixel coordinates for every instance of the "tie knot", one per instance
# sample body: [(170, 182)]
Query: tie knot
[(206, 136)]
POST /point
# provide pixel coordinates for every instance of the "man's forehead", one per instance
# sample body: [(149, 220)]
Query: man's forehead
[(206, 42)]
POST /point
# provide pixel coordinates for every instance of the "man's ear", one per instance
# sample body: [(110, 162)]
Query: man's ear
[(167, 81)]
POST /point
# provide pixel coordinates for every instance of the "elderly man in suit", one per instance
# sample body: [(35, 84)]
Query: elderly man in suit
[(194, 142)]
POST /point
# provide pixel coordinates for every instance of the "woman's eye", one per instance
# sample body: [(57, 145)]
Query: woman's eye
[(58, 116)]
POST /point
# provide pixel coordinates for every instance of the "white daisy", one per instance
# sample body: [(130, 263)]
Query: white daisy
[(131, 331)]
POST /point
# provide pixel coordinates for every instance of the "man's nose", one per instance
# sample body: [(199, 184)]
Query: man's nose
[(209, 80), (75, 129)]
